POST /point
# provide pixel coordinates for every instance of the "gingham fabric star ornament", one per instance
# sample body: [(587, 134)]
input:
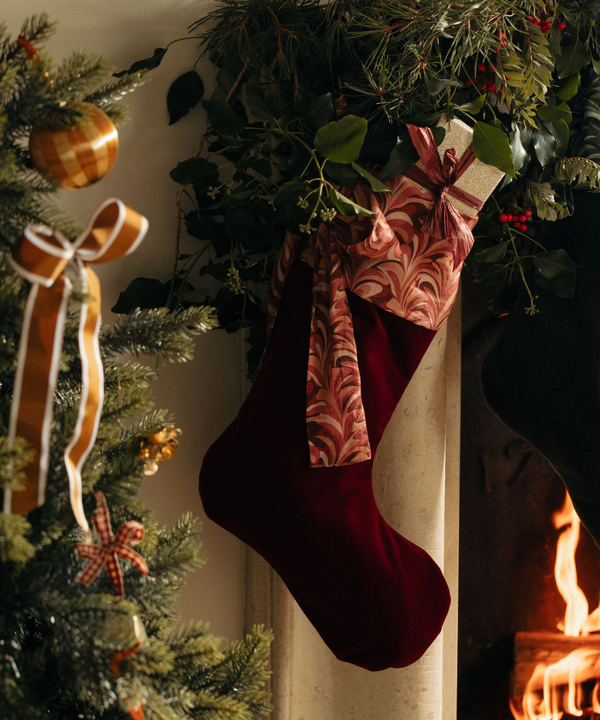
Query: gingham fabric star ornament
[(129, 534)]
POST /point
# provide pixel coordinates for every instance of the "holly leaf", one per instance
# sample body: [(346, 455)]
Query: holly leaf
[(375, 184), (146, 64), (403, 156), (142, 293), (574, 57), (545, 144), (519, 154), (472, 107), (184, 94), (196, 171), (345, 206), (491, 146), (341, 141)]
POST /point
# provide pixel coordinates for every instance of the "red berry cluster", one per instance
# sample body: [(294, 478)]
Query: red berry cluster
[(518, 221), (488, 82), (545, 25)]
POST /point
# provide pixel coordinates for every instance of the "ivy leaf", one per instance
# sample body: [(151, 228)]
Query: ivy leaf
[(493, 275), (472, 107), (342, 174), (146, 64), (596, 63), (375, 184), (341, 141), (313, 110), (403, 156), (439, 133), (554, 263), (437, 85), (492, 254), (196, 171), (262, 104), (345, 206), (184, 94), (221, 117), (141, 293), (491, 146), (562, 286), (574, 57)]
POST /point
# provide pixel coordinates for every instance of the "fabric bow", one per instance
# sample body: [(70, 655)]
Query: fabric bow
[(443, 221), (40, 257), (129, 534)]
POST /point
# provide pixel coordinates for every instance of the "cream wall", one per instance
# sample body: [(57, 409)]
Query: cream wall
[(204, 395)]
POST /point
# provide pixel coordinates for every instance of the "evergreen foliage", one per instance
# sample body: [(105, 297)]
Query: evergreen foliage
[(66, 651), (292, 71)]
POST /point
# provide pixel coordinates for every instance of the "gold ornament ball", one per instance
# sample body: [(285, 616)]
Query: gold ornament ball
[(79, 156)]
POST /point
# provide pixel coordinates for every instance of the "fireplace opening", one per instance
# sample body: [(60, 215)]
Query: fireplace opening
[(510, 608)]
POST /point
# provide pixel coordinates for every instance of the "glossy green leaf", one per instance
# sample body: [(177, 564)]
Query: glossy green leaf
[(439, 133), (562, 286), (345, 206), (437, 85), (519, 154), (552, 113), (141, 293), (375, 184), (261, 103), (403, 156), (196, 171), (491, 146), (343, 174), (341, 141), (492, 275), (184, 94), (492, 254), (314, 110), (554, 263), (568, 87), (472, 107), (221, 117), (146, 64), (574, 57)]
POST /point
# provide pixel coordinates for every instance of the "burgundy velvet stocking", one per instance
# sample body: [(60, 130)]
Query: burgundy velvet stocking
[(376, 599)]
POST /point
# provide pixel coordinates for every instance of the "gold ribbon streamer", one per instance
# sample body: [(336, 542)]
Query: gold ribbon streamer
[(41, 255)]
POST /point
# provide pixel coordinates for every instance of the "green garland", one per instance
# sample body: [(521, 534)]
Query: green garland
[(308, 95)]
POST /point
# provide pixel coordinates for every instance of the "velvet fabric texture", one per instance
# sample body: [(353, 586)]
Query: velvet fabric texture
[(376, 599), (542, 377)]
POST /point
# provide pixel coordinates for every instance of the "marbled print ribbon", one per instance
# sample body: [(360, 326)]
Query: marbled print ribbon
[(443, 221), (40, 257), (130, 533)]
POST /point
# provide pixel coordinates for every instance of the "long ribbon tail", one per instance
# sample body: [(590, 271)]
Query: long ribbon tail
[(33, 400), (92, 394)]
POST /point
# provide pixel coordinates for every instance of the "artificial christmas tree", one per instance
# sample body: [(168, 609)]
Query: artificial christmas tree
[(72, 647)]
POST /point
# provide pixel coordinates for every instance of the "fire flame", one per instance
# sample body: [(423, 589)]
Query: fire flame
[(557, 689)]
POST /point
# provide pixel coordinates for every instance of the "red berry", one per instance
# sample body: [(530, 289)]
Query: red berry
[(531, 19), (484, 87), (495, 48), (522, 218), (504, 42), (492, 88), (468, 82), (502, 217), (561, 26), (475, 79), (517, 224), (523, 227), (491, 67), (480, 66), (536, 21), (509, 217), (528, 213)]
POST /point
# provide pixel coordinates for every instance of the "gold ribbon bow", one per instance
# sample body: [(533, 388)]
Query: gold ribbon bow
[(114, 230)]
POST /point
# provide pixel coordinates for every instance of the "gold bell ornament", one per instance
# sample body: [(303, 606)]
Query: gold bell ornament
[(79, 156), (157, 447)]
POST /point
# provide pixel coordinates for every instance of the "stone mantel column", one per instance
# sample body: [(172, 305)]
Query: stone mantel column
[(416, 484)]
